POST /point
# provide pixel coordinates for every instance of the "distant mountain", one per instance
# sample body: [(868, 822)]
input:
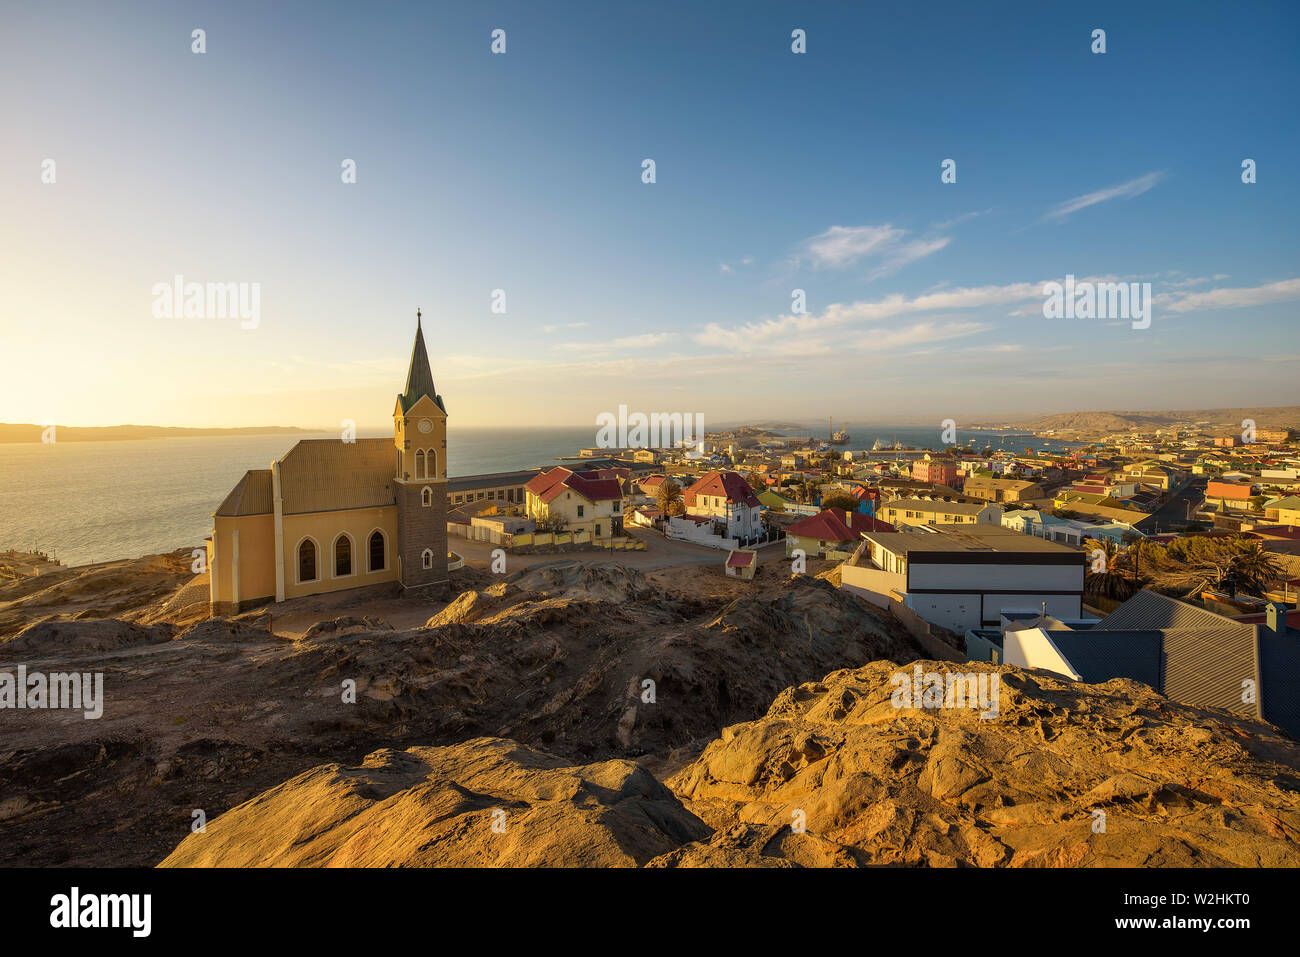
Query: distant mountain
[(25, 432), (1275, 417)]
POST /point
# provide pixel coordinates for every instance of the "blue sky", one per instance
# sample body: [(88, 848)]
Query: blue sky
[(522, 172)]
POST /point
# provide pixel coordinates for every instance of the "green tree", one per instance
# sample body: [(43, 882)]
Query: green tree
[(840, 500)]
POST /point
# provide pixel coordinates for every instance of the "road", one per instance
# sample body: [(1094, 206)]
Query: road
[(1175, 511), (660, 552)]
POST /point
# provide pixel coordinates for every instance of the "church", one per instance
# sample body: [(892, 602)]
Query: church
[(333, 514)]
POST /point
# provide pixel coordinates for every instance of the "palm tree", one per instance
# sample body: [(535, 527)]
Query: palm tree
[(1251, 568), (1233, 565), (1104, 578), (669, 499)]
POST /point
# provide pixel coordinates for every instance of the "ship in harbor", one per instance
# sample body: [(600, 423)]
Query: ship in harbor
[(837, 438)]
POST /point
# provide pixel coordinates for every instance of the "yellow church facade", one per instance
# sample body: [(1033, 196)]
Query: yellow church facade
[(331, 515)]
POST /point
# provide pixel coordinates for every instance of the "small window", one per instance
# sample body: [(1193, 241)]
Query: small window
[(427, 558), (377, 552), (579, 511), (307, 561), (426, 497), (598, 530), (419, 464), (342, 556)]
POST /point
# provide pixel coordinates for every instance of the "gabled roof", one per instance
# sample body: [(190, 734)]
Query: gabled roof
[(419, 377), (730, 485), (740, 558), (829, 525), (1205, 657), (325, 475), (250, 496), (548, 485)]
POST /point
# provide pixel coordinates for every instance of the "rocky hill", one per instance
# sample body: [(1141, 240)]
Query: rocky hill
[(834, 774), (588, 662)]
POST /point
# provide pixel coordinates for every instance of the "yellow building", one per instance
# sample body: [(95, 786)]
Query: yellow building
[(583, 501), (336, 514), (916, 511)]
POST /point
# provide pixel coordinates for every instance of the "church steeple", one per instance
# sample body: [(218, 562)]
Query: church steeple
[(419, 378)]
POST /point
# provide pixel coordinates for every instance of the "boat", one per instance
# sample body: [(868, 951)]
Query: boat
[(838, 438), (878, 446)]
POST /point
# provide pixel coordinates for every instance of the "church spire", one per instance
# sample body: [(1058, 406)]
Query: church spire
[(419, 378)]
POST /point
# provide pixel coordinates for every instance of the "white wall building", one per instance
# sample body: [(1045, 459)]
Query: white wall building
[(963, 576)]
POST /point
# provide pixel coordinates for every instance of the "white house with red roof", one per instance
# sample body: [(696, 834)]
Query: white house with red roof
[(725, 498), (583, 500)]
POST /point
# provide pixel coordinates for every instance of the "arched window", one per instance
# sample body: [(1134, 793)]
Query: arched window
[(419, 464), (342, 556), (307, 561), (426, 497), (427, 558), (377, 562), (431, 465)]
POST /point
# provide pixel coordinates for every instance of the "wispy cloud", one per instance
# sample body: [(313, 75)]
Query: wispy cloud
[(1127, 190), (1239, 296), (958, 220), (843, 246)]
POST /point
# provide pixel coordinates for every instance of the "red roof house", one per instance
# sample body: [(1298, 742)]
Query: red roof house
[(730, 486), (837, 525), (548, 485)]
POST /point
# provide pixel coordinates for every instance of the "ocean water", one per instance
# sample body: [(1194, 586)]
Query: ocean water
[(95, 501)]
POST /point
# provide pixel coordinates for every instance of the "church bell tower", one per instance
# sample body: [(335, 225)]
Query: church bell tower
[(420, 441)]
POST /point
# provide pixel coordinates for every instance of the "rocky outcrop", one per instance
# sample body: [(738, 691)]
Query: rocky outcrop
[(231, 708), (1065, 774), (835, 775), (75, 638), (486, 802), (343, 626)]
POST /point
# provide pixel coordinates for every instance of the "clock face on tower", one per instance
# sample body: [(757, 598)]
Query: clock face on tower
[(425, 426)]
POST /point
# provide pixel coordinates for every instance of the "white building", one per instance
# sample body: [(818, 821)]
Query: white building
[(963, 576), (726, 498)]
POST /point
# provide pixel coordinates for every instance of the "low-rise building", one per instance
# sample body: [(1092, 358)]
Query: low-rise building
[(741, 563), (939, 511), (942, 471), (501, 487), (1001, 490), (962, 577), (726, 498), (1228, 495), (832, 528), (1185, 652), (582, 500)]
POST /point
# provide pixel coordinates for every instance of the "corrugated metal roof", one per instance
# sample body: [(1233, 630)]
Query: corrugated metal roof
[(1280, 681), (1152, 610), (1206, 656), (1207, 666), (1100, 656), (324, 475), (250, 496)]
